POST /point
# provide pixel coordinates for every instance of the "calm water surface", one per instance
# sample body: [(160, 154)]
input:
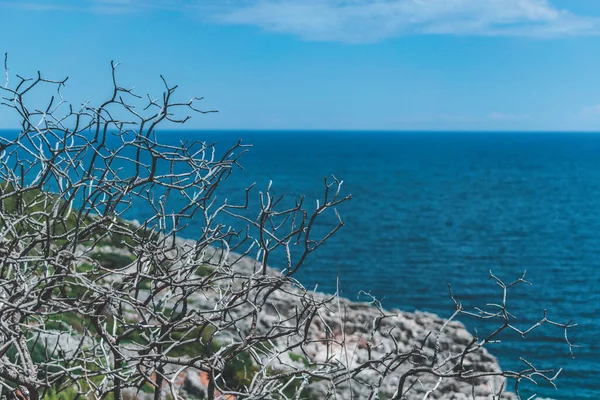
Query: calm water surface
[(433, 208)]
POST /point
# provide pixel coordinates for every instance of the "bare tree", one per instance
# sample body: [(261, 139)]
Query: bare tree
[(94, 306)]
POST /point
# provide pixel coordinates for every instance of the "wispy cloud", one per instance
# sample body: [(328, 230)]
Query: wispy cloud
[(362, 21), (374, 20)]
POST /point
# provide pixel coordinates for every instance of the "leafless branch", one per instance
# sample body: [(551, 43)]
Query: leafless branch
[(94, 305)]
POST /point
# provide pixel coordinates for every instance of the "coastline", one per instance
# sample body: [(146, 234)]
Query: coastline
[(343, 331)]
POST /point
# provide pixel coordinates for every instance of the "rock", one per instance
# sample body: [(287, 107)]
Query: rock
[(351, 323), (194, 385)]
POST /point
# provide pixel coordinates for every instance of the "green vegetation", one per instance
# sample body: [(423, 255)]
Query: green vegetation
[(299, 357), (69, 393), (65, 322), (114, 260), (198, 342), (204, 270), (35, 201), (239, 372)]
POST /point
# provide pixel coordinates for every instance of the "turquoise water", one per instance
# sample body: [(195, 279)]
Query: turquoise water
[(435, 208)]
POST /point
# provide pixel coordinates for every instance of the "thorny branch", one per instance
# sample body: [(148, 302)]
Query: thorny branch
[(92, 304)]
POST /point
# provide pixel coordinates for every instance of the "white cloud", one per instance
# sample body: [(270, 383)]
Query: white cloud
[(374, 20), (362, 21)]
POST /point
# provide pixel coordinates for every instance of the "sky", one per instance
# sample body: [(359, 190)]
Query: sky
[(324, 64)]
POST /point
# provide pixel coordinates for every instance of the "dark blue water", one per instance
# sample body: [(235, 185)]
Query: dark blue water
[(433, 208)]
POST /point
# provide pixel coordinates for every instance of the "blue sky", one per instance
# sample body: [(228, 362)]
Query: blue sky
[(326, 64)]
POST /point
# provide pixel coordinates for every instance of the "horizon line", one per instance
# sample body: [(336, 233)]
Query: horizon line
[(362, 130)]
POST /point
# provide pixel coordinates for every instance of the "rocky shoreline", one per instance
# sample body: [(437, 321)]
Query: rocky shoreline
[(353, 322), (352, 326)]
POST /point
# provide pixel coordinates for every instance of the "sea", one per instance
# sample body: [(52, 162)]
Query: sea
[(430, 209), (433, 208)]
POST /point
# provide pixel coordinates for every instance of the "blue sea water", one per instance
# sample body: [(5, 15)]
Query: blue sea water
[(435, 208)]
